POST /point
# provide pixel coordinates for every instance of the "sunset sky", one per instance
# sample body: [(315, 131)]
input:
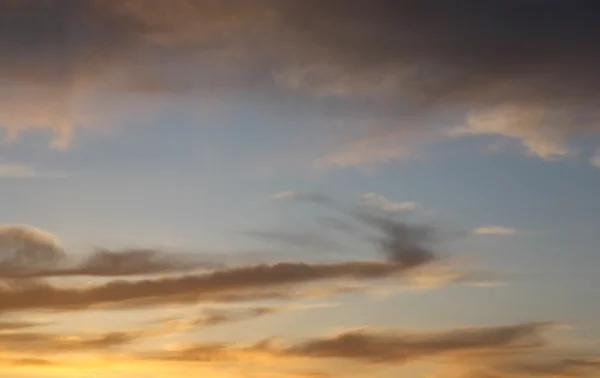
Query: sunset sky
[(299, 188)]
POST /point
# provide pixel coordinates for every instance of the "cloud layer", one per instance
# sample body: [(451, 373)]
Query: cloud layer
[(524, 70)]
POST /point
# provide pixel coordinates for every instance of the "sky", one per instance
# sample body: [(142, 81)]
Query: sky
[(299, 188)]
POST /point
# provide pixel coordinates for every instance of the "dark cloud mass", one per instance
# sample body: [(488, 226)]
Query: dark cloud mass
[(522, 69), (445, 50), (397, 240)]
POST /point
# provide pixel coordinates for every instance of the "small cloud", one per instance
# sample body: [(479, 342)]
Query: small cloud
[(25, 171), (292, 195), (380, 202), (285, 195), (495, 230)]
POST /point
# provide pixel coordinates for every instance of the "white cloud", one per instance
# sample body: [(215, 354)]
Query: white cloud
[(377, 149), (529, 125), (380, 202), (495, 230)]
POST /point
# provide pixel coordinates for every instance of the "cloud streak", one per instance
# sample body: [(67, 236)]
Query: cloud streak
[(260, 280), (495, 230)]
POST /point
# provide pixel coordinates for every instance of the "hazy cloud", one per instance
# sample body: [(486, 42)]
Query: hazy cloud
[(381, 203), (291, 195), (213, 317), (24, 171), (494, 230), (297, 239)]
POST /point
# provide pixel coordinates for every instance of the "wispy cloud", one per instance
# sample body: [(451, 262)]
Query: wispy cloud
[(380, 202), (495, 230), (24, 171)]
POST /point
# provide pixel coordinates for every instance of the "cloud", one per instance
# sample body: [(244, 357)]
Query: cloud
[(544, 365), (130, 262), (398, 241), (494, 230), (15, 325), (28, 252), (25, 248), (570, 367), (373, 346), (24, 171), (365, 151), (213, 317), (525, 70), (35, 342), (378, 346), (595, 160), (255, 281), (291, 195), (27, 362), (381, 203)]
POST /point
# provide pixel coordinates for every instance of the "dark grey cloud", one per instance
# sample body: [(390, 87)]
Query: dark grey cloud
[(522, 69), (438, 50), (397, 240)]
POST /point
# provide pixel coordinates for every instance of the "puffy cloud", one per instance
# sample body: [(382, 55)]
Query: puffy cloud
[(25, 248)]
